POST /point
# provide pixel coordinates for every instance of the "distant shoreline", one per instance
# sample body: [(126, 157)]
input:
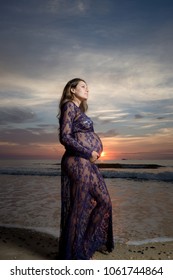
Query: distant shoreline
[(135, 166), (127, 165)]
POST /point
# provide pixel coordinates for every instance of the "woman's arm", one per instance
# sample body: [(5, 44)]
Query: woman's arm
[(66, 123)]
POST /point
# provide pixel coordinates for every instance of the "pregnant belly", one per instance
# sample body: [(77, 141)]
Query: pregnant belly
[(90, 140)]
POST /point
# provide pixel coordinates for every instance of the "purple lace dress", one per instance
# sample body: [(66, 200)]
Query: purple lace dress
[(86, 210)]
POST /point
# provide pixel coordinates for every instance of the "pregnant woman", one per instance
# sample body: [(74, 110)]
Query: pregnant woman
[(86, 210)]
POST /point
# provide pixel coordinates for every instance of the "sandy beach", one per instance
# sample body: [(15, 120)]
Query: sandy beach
[(30, 216), (23, 244)]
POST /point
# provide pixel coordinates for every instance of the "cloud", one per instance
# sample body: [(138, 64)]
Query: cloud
[(29, 136), (46, 46), (74, 8), (160, 118), (109, 133), (15, 95), (138, 116), (123, 49), (51, 49), (16, 115)]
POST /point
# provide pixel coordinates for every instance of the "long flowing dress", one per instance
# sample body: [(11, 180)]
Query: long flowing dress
[(86, 209)]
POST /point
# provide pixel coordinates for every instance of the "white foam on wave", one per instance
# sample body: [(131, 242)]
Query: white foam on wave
[(151, 240)]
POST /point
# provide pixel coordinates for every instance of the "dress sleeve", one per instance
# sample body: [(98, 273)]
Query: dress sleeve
[(68, 113)]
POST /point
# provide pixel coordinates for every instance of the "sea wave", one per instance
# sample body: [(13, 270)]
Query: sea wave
[(166, 176), (28, 172)]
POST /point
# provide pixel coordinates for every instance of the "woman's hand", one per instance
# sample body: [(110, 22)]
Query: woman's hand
[(94, 156)]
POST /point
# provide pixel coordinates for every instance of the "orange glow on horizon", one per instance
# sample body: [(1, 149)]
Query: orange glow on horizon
[(103, 154)]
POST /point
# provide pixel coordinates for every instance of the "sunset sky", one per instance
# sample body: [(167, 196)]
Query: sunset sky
[(122, 48)]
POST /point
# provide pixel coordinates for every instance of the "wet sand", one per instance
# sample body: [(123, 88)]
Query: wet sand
[(24, 244), (142, 211)]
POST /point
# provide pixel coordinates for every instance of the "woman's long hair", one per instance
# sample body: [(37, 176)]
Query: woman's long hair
[(68, 95)]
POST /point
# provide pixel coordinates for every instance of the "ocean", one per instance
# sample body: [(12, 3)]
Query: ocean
[(141, 194)]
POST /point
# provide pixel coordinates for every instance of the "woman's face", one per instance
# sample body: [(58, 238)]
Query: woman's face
[(81, 91)]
